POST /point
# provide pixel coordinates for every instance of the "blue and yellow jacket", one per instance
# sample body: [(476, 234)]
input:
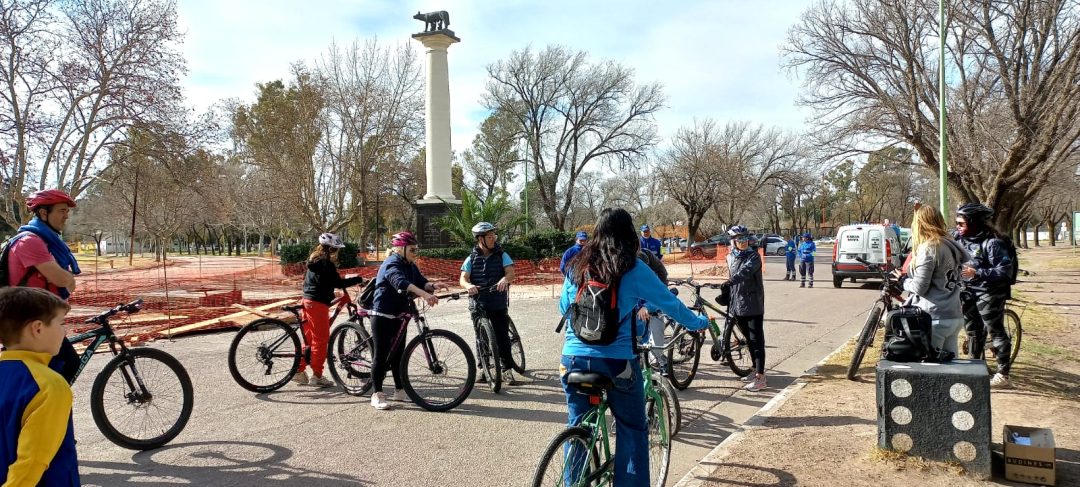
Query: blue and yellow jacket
[(37, 440)]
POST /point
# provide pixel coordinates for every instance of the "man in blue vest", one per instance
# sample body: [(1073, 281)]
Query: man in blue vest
[(579, 240), (486, 274), (649, 243)]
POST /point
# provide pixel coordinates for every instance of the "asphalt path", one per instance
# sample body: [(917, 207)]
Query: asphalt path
[(323, 437)]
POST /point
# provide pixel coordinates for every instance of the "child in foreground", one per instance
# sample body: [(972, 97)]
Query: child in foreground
[(37, 441)]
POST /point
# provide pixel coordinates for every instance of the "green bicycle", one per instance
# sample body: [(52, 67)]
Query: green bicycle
[(581, 455)]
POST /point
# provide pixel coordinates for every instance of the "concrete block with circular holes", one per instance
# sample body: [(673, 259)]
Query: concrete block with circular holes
[(939, 412)]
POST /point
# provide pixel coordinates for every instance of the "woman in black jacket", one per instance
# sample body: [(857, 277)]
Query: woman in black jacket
[(747, 306), (320, 281)]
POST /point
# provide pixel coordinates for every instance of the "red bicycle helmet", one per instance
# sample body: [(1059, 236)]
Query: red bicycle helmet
[(48, 197), (403, 239)]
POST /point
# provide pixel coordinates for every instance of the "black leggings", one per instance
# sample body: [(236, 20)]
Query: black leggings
[(388, 353), (984, 313), (500, 321), (754, 329)]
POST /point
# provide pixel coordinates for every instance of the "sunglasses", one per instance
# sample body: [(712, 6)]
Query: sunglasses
[(742, 239), (961, 224)]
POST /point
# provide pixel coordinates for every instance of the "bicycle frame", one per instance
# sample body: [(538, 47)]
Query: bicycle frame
[(595, 420), (715, 332), (104, 333)]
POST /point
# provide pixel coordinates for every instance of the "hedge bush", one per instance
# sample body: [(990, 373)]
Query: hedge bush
[(449, 253), (298, 253), (550, 243)]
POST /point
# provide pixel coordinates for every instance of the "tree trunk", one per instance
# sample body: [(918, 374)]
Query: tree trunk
[(1052, 227)]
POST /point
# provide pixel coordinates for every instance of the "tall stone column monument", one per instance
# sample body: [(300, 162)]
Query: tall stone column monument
[(436, 39)]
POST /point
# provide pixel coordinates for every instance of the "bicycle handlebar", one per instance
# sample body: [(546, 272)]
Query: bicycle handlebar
[(129, 308)]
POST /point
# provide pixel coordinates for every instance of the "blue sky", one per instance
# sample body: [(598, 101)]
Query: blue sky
[(717, 59)]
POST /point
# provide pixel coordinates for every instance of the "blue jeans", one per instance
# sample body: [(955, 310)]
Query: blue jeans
[(627, 403)]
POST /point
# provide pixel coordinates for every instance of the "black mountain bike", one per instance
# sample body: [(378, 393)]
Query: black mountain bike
[(265, 354), (886, 301), (487, 348), (437, 369), (143, 397), (729, 345)]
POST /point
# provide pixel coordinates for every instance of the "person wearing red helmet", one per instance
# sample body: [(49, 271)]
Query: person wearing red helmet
[(398, 281), (38, 257)]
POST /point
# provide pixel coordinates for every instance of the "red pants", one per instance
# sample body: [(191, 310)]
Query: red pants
[(316, 334)]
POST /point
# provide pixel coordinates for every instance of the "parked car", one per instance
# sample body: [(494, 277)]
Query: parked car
[(825, 241), (877, 244), (707, 248), (774, 245)]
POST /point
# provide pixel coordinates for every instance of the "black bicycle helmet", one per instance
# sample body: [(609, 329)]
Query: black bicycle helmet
[(975, 212)]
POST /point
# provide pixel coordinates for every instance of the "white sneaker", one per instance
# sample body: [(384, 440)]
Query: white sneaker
[(756, 385), (320, 381), (300, 378), (999, 381), (399, 395), (378, 401)]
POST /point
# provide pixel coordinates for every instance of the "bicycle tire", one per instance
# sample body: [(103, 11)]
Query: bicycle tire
[(866, 336), (555, 452), (684, 357), (674, 407), (421, 343), (487, 353), (659, 442), (1015, 331), (133, 366), (737, 350), (262, 355), (350, 356), (517, 349)]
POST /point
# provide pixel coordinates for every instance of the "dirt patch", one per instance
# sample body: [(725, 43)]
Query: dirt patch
[(826, 434)]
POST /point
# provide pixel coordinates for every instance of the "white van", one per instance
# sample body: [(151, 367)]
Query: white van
[(877, 244)]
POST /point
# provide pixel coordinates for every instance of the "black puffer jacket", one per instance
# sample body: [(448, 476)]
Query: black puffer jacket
[(992, 262), (322, 279), (747, 286)]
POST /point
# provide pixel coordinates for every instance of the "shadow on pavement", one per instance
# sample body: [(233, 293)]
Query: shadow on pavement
[(813, 421), (329, 395), (748, 475), (211, 463), (705, 430)]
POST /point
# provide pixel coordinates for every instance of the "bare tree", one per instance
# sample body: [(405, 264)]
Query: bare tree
[(77, 75), (572, 113), (494, 153), (688, 175), (748, 159), (1014, 90)]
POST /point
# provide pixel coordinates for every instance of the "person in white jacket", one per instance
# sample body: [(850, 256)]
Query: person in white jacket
[(933, 280)]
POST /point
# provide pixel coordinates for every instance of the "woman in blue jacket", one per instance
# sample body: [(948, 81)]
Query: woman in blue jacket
[(610, 256), (806, 252)]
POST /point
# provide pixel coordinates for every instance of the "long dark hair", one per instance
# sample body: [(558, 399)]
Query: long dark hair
[(322, 251), (612, 250)]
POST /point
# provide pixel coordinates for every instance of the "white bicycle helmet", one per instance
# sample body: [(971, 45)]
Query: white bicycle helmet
[(483, 228), (331, 240)]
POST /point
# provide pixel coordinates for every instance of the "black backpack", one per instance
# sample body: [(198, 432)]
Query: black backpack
[(594, 314), (367, 295), (1013, 256), (5, 276), (908, 337)]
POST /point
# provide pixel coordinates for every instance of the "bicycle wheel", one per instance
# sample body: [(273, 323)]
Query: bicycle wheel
[(1015, 332), (672, 401), (517, 350), (264, 355), (438, 370), (737, 350), (487, 353), (659, 422), (571, 459), (683, 358), (866, 337), (142, 399), (350, 356)]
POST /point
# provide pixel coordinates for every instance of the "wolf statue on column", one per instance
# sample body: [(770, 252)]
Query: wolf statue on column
[(433, 20)]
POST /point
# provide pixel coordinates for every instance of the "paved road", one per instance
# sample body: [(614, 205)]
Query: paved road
[(303, 436)]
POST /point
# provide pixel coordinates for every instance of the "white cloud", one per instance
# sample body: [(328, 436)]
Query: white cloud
[(716, 59)]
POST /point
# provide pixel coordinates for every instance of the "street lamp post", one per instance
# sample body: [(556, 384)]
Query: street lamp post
[(943, 141)]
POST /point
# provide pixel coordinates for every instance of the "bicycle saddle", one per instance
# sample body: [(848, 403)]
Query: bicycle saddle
[(590, 381), (292, 308)]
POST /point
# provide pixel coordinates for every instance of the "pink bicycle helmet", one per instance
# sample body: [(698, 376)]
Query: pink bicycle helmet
[(403, 239)]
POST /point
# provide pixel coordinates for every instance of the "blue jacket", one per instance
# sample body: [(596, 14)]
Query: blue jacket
[(638, 284), (790, 249), (37, 440), (806, 251), (566, 256), (652, 245), (391, 283)]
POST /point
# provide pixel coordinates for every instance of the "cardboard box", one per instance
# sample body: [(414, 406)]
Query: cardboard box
[(1033, 463)]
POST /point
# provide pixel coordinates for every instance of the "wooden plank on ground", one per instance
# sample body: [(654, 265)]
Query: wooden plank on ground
[(253, 311), (214, 321)]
